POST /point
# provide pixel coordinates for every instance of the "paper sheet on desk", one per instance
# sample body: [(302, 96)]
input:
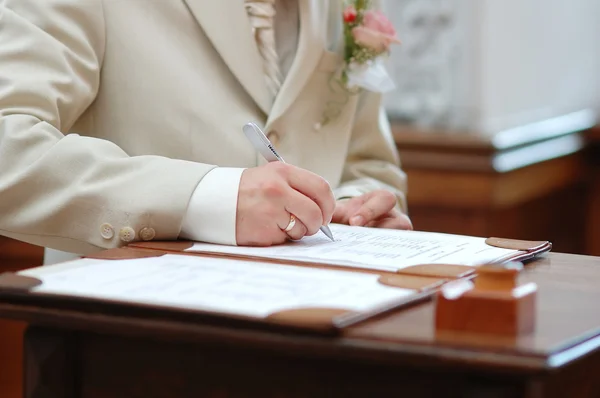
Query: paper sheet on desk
[(380, 249), (219, 285)]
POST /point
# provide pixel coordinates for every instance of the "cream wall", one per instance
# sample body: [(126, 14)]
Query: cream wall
[(490, 65), (539, 59)]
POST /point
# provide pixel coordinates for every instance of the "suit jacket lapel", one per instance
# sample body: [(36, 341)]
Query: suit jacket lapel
[(228, 27), (310, 46)]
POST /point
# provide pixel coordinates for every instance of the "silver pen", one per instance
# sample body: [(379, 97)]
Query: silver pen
[(262, 144)]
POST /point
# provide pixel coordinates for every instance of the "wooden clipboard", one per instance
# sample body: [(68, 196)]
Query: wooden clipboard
[(19, 289), (526, 250)]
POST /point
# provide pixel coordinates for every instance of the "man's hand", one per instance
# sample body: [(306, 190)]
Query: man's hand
[(374, 209), (269, 194)]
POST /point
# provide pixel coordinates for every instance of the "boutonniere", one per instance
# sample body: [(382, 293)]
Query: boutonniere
[(368, 36)]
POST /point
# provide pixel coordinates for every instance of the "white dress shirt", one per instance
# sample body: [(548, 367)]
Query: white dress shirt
[(212, 211)]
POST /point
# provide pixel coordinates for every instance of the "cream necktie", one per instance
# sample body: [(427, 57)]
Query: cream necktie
[(262, 14)]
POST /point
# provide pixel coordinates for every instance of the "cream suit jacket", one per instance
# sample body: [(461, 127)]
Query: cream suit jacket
[(112, 111)]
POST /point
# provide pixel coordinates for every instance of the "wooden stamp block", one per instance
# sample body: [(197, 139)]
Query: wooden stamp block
[(494, 303)]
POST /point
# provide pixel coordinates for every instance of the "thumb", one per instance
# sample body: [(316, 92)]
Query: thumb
[(374, 207), (344, 208)]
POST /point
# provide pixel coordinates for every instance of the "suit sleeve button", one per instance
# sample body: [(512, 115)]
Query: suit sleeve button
[(107, 231), (147, 233), (127, 234)]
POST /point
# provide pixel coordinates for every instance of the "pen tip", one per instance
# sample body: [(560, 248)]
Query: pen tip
[(327, 232)]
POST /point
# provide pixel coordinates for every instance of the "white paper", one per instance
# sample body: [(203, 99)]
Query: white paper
[(220, 285), (374, 248)]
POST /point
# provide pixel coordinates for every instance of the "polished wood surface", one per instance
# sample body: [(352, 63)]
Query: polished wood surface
[(104, 353), (14, 256), (567, 316)]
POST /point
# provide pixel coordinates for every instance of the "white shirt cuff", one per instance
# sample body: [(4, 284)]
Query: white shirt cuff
[(212, 211)]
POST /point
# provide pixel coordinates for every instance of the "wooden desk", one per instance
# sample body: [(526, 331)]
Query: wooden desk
[(14, 255), (94, 354)]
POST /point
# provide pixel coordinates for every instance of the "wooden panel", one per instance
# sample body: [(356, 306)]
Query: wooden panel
[(593, 206), (558, 217), (542, 201), (537, 181), (593, 225), (14, 256), (538, 188), (484, 190), (110, 366), (448, 189)]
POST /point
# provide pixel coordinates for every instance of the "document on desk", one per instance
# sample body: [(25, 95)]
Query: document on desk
[(218, 285), (373, 248)]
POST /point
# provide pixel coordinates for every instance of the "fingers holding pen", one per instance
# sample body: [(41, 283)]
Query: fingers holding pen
[(268, 197)]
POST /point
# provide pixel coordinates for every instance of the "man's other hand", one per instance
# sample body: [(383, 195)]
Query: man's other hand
[(374, 209)]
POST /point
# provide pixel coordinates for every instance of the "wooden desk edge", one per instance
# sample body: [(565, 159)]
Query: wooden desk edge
[(409, 354)]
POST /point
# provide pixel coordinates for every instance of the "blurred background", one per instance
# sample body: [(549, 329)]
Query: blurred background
[(495, 117)]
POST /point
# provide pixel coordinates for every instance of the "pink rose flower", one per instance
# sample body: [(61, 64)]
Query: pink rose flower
[(376, 32), (375, 20)]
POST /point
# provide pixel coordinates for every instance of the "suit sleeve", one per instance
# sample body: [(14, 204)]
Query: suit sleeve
[(373, 161), (66, 191)]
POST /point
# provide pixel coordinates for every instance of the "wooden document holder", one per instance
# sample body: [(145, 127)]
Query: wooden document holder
[(310, 317), (494, 303)]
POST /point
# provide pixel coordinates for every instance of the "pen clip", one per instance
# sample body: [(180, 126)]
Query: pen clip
[(261, 143)]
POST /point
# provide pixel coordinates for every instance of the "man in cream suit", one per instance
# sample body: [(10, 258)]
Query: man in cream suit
[(120, 120)]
